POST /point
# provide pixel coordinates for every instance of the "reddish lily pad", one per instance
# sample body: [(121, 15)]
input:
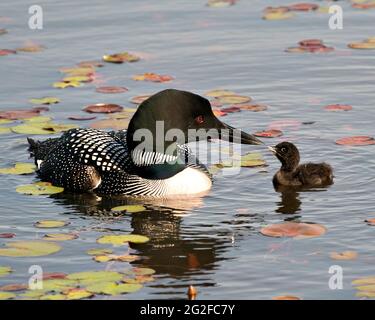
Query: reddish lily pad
[(303, 7), (254, 107), (81, 118), (371, 221), (19, 114), (153, 77), (356, 141), (338, 107), (231, 109), (111, 89), (54, 275), (7, 235), (14, 287), (103, 108), (310, 42), (293, 229), (273, 133), (287, 297), (346, 255), (139, 99), (219, 113), (5, 52), (233, 99)]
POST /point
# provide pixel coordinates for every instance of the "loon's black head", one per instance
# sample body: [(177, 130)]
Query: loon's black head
[(288, 155), (180, 113)]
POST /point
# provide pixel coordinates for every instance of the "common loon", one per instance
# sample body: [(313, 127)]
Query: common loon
[(87, 159), (291, 174)]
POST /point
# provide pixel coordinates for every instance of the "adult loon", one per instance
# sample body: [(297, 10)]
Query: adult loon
[(122, 163), (291, 174)]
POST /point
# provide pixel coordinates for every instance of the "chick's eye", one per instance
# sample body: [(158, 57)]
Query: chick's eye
[(283, 150), (199, 119)]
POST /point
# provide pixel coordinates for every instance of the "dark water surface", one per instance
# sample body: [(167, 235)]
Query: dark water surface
[(214, 242)]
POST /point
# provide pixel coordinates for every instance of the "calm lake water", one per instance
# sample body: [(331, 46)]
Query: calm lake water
[(214, 242)]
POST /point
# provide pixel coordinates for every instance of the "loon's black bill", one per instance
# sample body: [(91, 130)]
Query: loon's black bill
[(237, 135)]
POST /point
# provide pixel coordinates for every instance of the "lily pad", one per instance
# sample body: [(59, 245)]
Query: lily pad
[(286, 298), (29, 249), (338, 107), (345, 255), (7, 235), (219, 93), (120, 57), (7, 295), (153, 77), (51, 224), (278, 15), (81, 118), (45, 100), (39, 188), (77, 294), (113, 257), (356, 141), (19, 114), (234, 99), (113, 288), (294, 229), (103, 108), (4, 271), (96, 252), (111, 89), (59, 236), (30, 129), (5, 52), (272, 133), (93, 277), (118, 240), (362, 45), (303, 7), (19, 168), (66, 84), (254, 107), (129, 208), (53, 297), (139, 99), (78, 71)]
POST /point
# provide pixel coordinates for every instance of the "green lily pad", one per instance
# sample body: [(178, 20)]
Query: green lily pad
[(141, 271), (118, 240), (7, 295), (78, 294), (60, 236), (51, 223), (29, 129), (29, 249), (92, 277), (39, 188), (19, 168), (114, 289), (4, 271), (45, 100), (97, 252), (38, 119), (59, 285), (5, 130), (53, 297), (130, 208)]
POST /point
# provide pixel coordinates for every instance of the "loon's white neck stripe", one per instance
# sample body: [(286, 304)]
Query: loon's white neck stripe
[(148, 158)]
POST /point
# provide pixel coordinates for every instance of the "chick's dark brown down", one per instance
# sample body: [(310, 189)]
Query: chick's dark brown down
[(294, 174)]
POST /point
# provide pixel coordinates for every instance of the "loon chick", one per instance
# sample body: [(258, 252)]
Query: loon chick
[(150, 158), (292, 174)]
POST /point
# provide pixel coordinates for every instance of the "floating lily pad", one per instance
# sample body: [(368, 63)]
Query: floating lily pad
[(19, 114), (371, 221), (57, 296), (219, 93), (118, 240), (113, 257), (278, 15), (7, 235), (364, 281), (111, 89), (338, 107), (345, 255), (77, 79), (272, 133), (93, 277), (7, 295), (19, 168), (66, 84), (5, 52), (41, 120), (45, 100), (233, 99), (91, 64), (362, 45), (51, 224), (254, 107), (103, 108), (356, 141), (120, 57), (129, 208), (29, 249), (294, 229), (81, 118), (303, 7), (231, 109), (14, 287), (59, 236), (139, 99), (5, 130), (113, 288), (39, 188), (96, 252), (220, 3), (4, 271), (219, 113), (30, 129), (142, 271), (153, 77), (31, 48), (286, 298), (77, 294)]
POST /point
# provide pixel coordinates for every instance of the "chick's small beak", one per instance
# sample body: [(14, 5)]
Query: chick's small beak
[(272, 149)]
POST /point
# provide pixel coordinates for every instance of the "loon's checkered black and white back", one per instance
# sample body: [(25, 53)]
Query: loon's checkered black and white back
[(89, 159)]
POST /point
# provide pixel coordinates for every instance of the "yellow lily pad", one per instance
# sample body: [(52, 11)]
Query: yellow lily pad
[(233, 99), (53, 297), (4, 271), (278, 15), (29, 249), (51, 224), (5, 130), (219, 93), (364, 281), (45, 100), (7, 295), (77, 294), (366, 294), (39, 189), (19, 168), (5, 121), (60, 236), (142, 271), (30, 129), (97, 252), (129, 208), (77, 79), (66, 84), (113, 288), (38, 119), (78, 71), (59, 285), (362, 45), (118, 240), (112, 257)]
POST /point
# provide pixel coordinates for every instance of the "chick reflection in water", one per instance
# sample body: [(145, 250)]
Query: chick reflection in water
[(290, 202)]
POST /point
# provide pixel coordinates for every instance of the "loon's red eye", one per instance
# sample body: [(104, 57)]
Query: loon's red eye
[(199, 119)]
